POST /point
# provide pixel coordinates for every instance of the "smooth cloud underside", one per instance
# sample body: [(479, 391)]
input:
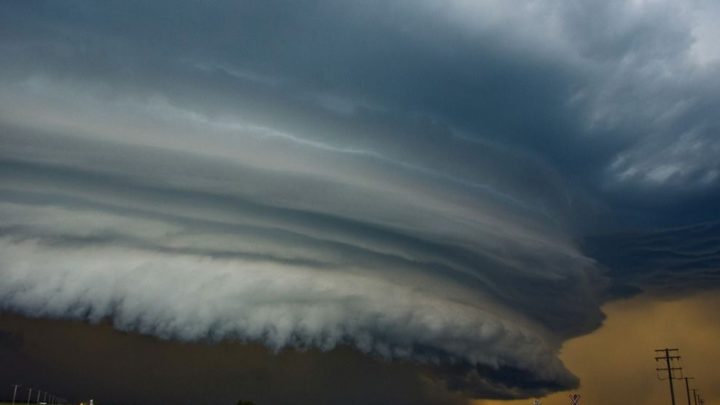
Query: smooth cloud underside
[(409, 179)]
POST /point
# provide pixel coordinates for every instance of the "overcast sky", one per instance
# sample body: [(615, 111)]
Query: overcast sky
[(452, 187)]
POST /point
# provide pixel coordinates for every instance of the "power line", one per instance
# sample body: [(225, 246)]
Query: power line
[(41, 397), (15, 387), (668, 357), (687, 387)]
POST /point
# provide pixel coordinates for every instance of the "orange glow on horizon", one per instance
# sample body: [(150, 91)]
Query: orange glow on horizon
[(616, 363)]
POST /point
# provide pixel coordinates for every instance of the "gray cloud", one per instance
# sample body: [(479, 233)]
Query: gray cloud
[(408, 178), (195, 264), (668, 260)]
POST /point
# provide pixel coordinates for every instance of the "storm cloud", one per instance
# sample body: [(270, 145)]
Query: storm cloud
[(419, 180)]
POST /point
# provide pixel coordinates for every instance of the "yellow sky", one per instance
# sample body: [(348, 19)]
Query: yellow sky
[(616, 365)]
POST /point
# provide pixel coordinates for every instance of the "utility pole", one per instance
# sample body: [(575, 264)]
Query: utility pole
[(668, 357), (687, 387), (15, 387)]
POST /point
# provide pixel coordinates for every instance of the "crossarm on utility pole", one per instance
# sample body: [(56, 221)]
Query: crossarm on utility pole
[(668, 361)]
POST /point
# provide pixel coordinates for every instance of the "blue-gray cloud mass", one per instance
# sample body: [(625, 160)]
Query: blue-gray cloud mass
[(440, 182)]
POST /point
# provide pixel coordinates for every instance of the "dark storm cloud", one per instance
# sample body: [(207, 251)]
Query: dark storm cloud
[(407, 178), (300, 278), (668, 260)]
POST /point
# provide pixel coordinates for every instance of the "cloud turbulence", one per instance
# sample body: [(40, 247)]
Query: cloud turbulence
[(422, 181)]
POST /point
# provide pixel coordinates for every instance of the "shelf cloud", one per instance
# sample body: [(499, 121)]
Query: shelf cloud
[(422, 181)]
